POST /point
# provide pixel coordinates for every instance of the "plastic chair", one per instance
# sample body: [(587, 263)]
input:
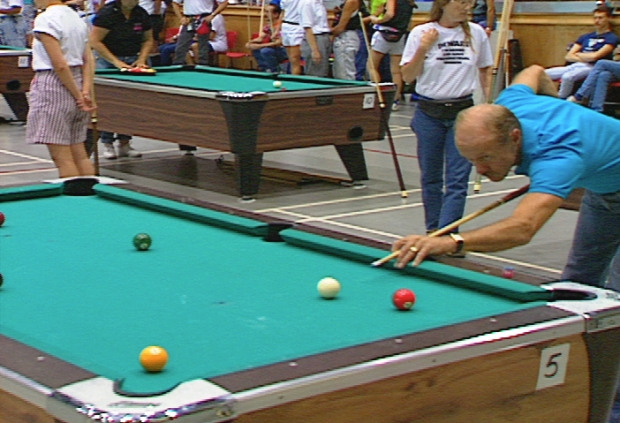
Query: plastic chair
[(231, 37)]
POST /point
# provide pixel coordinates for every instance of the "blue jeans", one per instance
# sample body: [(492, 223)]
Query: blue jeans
[(108, 137), (594, 258), (596, 84), (269, 58), (361, 58), (444, 172)]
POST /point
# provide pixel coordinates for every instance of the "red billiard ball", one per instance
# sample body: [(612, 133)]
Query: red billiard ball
[(403, 299), (2, 218)]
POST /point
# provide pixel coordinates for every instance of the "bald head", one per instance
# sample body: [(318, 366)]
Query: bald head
[(489, 136), (494, 119)]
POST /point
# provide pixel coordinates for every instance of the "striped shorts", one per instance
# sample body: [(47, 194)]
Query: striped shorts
[(54, 117)]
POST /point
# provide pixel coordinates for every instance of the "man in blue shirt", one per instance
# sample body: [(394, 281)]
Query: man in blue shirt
[(560, 146), (586, 51)]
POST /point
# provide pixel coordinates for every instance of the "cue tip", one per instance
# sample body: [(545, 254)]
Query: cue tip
[(404, 194)]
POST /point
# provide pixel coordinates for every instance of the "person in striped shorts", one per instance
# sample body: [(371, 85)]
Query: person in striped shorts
[(61, 90)]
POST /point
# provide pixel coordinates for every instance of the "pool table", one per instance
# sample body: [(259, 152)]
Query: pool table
[(243, 113), (233, 300), (15, 76)]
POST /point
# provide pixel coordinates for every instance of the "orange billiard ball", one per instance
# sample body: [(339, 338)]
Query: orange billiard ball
[(153, 358)]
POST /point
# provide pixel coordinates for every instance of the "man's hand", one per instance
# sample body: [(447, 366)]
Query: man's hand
[(418, 247)]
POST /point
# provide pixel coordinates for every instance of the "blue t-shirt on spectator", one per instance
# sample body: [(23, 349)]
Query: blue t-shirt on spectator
[(565, 145), (594, 42)]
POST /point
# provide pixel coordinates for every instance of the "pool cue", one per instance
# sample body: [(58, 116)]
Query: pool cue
[(399, 174), (508, 197), (499, 65), (93, 122)]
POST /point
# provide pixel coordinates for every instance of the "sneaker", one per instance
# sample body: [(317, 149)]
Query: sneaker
[(109, 152), (573, 99), (126, 150), (396, 106)]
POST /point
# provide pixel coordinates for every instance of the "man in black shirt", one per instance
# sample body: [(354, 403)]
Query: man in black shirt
[(122, 36)]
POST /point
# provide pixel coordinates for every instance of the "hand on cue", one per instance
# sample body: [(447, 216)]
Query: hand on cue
[(418, 247)]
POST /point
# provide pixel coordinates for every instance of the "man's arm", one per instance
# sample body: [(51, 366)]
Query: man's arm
[(350, 6), (486, 77), (518, 229), (414, 68), (536, 78), (593, 56)]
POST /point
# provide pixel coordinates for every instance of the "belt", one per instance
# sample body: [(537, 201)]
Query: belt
[(322, 33), (290, 23), (447, 100)]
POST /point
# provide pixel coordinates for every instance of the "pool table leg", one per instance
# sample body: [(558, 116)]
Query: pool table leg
[(248, 173), (18, 102), (352, 156)]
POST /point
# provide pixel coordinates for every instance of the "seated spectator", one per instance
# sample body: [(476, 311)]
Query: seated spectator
[(593, 91), (267, 47), (586, 51)]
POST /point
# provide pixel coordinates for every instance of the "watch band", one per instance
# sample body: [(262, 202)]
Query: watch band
[(460, 242)]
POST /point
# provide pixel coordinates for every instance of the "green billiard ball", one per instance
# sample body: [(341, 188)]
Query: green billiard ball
[(142, 242)]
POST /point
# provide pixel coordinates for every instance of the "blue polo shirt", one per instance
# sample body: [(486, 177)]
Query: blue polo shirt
[(565, 145)]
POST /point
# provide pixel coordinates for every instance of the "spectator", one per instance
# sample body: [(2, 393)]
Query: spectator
[(446, 57), (389, 38), (346, 37), (123, 38), (593, 91), (61, 91), (267, 46), (196, 18), (484, 15), (292, 33), (585, 52), (12, 30), (316, 47)]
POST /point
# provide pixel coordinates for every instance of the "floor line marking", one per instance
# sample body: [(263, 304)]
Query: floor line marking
[(25, 156)]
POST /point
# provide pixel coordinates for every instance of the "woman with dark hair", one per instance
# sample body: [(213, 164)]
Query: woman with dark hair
[(446, 56)]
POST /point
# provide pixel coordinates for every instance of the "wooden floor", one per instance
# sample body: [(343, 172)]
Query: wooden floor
[(377, 212)]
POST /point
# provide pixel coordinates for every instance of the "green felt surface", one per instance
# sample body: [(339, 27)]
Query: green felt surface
[(215, 295), (11, 48), (227, 80)]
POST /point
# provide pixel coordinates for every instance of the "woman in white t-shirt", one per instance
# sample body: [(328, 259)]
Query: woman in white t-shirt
[(61, 90), (445, 57)]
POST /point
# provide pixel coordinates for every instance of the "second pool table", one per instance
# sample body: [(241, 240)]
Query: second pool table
[(233, 299), (15, 76), (242, 112)]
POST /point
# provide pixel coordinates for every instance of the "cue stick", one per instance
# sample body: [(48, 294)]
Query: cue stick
[(93, 121), (499, 66), (510, 196), (95, 146), (399, 174), (262, 18)]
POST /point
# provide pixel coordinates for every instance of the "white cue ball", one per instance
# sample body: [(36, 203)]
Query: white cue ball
[(277, 84), (328, 288)]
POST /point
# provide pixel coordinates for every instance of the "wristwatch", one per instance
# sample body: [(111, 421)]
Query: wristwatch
[(460, 242)]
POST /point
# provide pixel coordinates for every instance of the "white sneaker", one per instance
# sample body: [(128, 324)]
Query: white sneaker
[(126, 150), (573, 99), (396, 106), (109, 152)]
